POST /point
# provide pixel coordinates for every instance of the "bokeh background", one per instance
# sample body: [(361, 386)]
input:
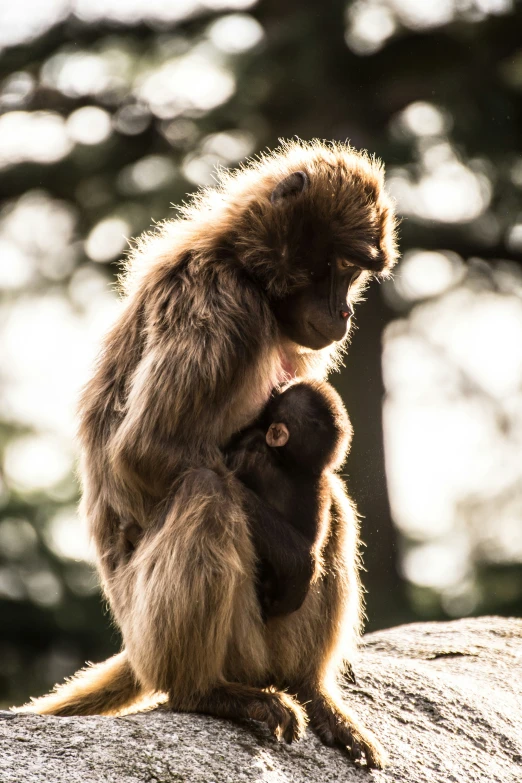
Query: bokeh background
[(111, 110)]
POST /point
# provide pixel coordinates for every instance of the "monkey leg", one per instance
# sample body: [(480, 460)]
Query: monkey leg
[(309, 649), (283, 715), (186, 600), (307, 658)]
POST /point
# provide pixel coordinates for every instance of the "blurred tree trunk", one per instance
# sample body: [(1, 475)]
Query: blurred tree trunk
[(361, 385)]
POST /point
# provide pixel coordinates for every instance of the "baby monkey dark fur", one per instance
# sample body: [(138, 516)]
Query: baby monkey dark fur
[(283, 461)]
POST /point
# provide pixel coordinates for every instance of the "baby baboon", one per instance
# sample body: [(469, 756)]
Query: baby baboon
[(283, 460)]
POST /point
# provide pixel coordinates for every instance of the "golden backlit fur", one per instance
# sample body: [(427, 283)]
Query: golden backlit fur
[(192, 359)]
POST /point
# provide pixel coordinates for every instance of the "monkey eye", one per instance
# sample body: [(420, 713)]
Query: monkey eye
[(344, 265)]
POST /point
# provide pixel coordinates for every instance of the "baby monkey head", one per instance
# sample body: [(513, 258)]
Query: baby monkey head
[(307, 422)]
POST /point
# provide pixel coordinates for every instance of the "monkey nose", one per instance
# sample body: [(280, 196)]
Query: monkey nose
[(346, 311)]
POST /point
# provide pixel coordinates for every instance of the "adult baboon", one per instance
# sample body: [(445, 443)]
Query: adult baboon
[(248, 288)]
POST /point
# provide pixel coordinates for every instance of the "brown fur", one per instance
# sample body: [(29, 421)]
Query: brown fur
[(191, 360)]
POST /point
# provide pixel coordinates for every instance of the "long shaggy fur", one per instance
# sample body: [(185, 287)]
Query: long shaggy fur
[(192, 359)]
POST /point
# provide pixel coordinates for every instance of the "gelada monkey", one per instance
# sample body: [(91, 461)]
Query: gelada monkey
[(247, 288), (284, 460)]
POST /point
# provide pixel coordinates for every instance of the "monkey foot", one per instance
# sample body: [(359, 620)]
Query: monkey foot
[(336, 726), (284, 717)]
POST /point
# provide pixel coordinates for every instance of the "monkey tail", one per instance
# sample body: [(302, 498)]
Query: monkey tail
[(100, 689)]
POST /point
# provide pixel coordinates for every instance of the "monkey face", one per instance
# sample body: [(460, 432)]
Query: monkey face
[(331, 249), (320, 313)]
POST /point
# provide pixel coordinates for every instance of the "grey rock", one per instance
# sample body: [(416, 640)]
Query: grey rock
[(445, 699)]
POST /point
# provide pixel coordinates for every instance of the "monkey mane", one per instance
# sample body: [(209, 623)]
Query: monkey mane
[(345, 209)]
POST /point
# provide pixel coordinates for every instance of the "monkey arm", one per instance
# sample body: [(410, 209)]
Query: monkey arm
[(283, 553), (207, 329)]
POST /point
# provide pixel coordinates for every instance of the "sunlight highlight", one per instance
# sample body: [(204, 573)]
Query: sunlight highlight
[(148, 174), (35, 462), (424, 119), (427, 273), (107, 239), (370, 25), (235, 33), (193, 81), (36, 137), (453, 426), (89, 125), (67, 536), (47, 346)]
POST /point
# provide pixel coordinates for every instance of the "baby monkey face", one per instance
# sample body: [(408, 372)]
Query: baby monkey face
[(277, 434)]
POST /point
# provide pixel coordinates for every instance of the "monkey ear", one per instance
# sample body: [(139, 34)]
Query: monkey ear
[(289, 187), (277, 435)]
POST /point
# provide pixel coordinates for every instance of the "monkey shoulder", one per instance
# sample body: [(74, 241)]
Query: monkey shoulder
[(216, 293), (209, 333)]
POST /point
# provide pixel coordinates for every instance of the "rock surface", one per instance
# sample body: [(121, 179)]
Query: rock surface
[(445, 698)]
